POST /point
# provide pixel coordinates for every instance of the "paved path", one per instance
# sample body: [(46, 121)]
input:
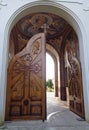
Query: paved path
[(58, 118)]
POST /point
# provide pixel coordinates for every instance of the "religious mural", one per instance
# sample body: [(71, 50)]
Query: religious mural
[(34, 23)]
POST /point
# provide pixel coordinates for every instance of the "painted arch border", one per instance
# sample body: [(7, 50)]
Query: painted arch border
[(65, 13)]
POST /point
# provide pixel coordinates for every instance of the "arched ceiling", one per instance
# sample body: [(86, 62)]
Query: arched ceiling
[(57, 30), (32, 24)]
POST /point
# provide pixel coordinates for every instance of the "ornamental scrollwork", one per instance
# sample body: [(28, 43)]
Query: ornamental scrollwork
[(2, 3)]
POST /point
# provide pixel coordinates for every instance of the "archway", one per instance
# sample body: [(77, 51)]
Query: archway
[(53, 53), (59, 35), (62, 9), (50, 73)]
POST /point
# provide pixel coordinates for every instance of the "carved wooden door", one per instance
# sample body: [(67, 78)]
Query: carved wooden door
[(26, 82), (75, 87)]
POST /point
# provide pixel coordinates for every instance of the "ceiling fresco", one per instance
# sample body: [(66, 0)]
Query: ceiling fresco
[(55, 26), (32, 24)]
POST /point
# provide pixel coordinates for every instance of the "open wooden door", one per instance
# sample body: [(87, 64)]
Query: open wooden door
[(26, 91), (76, 102)]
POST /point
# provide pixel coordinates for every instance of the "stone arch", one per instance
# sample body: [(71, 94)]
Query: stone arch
[(53, 53), (58, 9)]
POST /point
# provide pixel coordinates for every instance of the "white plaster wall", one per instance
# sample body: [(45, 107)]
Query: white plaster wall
[(76, 13)]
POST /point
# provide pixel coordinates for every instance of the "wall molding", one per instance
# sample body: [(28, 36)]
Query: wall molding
[(71, 1), (2, 4), (84, 4), (86, 9), (81, 2)]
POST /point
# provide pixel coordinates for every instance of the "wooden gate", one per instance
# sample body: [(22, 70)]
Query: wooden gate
[(26, 92), (76, 102)]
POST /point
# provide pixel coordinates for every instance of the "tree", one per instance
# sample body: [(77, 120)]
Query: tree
[(49, 83)]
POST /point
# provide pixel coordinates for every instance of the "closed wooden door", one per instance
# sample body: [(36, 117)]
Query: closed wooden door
[(76, 102), (26, 82)]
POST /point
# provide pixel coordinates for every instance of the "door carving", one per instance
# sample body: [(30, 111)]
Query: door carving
[(26, 82), (75, 87)]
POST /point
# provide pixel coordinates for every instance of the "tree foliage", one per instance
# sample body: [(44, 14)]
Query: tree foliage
[(49, 83)]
